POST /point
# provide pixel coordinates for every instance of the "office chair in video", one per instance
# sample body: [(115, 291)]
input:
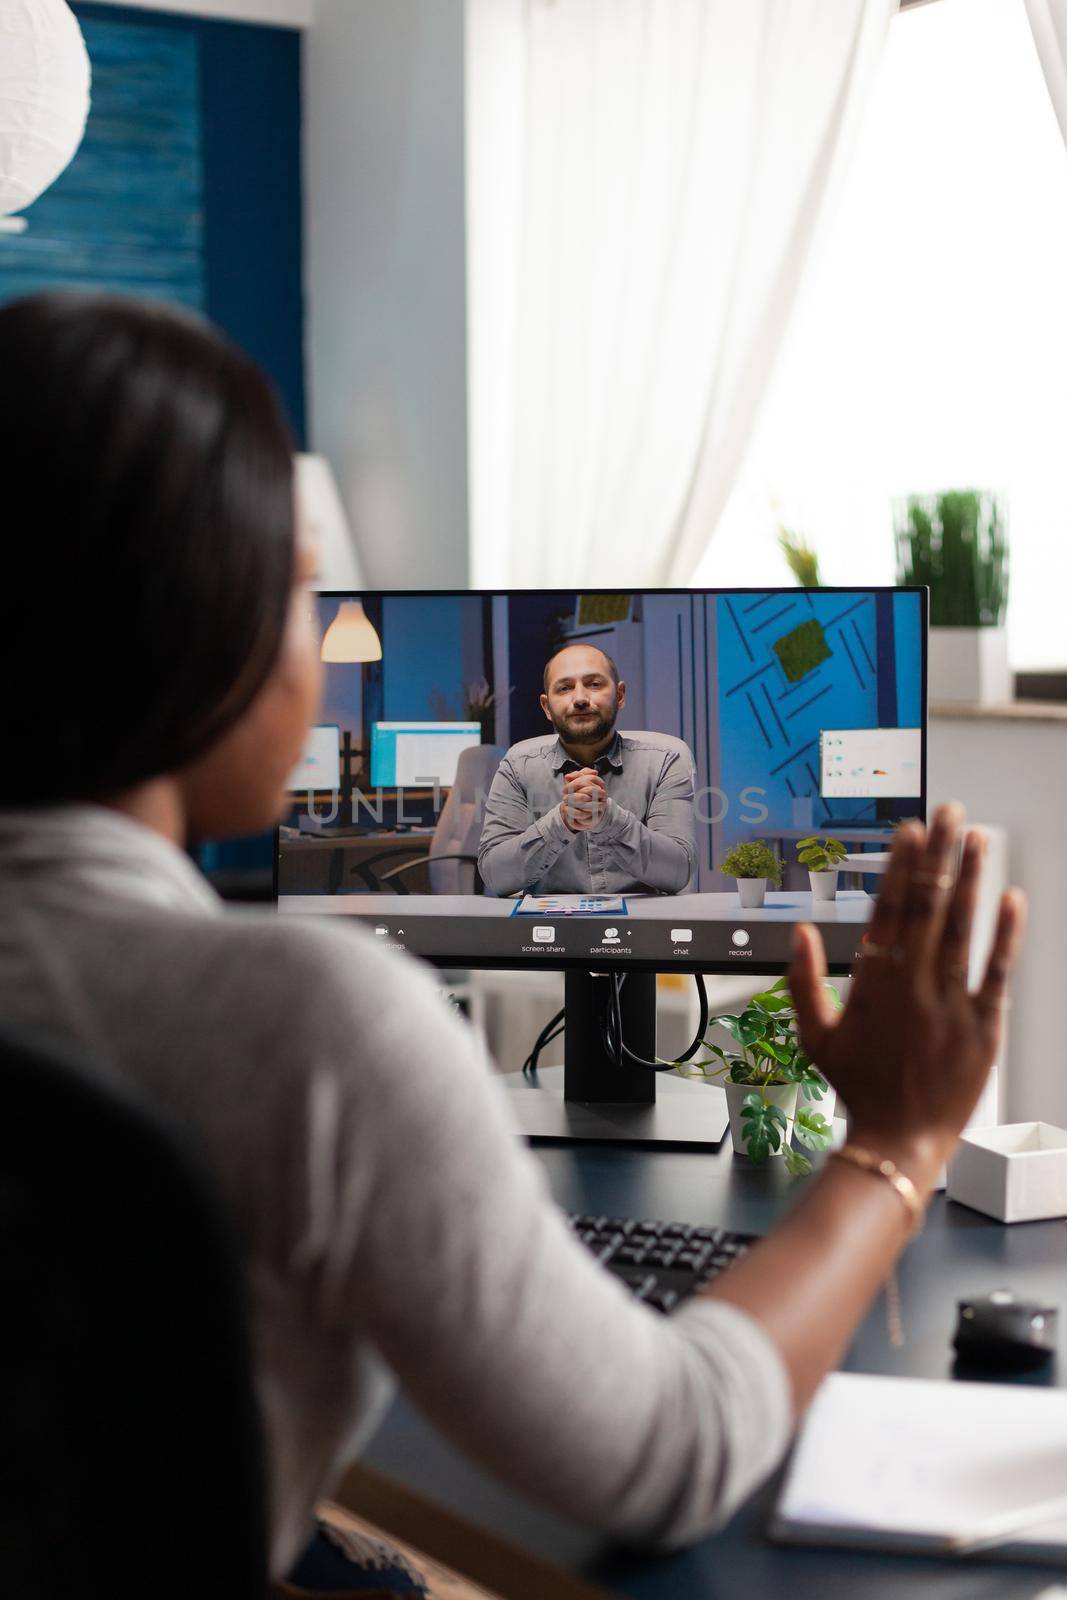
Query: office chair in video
[(452, 863)]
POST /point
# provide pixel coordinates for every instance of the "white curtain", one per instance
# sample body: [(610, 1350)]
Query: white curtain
[(644, 180), (1048, 23)]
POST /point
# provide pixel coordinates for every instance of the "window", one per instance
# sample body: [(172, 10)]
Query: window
[(929, 348)]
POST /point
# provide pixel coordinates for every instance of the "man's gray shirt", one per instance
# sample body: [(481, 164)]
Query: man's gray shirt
[(645, 842)]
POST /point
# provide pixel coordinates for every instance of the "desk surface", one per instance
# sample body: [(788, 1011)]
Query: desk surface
[(872, 835), (782, 906), (384, 839), (470, 929), (959, 1253)]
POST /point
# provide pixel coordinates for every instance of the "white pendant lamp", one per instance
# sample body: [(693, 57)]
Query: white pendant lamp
[(44, 99), (351, 635)]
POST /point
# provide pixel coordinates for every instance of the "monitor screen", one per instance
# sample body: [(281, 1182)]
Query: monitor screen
[(561, 777), (412, 755), (860, 763), (319, 768)]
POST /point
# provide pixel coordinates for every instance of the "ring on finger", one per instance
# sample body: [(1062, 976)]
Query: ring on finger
[(936, 880), (881, 952)]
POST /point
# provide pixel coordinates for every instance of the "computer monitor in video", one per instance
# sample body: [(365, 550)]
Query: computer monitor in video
[(319, 769), (559, 778)]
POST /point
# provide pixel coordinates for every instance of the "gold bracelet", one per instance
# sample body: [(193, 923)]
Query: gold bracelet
[(882, 1167)]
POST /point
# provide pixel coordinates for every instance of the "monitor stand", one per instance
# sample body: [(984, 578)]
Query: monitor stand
[(589, 1098)]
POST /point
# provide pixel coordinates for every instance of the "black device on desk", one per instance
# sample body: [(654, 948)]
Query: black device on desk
[(750, 712), (1002, 1332)]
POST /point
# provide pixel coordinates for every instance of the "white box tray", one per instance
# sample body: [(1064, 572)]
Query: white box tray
[(1016, 1173)]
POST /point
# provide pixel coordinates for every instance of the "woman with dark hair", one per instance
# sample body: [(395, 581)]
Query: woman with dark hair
[(389, 1219)]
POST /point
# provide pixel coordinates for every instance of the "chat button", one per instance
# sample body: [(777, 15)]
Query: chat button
[(681, 935)]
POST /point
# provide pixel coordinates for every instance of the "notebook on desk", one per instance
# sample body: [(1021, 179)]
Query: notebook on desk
[(911, 1464)]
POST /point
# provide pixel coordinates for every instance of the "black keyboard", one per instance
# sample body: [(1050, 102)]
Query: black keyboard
[(662, 1262)]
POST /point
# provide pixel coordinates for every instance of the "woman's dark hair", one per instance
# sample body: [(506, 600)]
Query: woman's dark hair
[(147, 517)]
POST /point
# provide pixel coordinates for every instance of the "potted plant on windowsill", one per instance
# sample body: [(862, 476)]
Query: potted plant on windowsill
[(764, 1077), (956, 543), (754, 864), (823, 858)]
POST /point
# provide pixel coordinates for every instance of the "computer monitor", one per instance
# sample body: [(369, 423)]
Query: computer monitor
[(865, 763), (319, 767), (410, 755), (722, 717)]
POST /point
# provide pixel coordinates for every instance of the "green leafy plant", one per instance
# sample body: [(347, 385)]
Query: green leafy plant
[(820, 855), (800, 558), (956, 543), (769, 1054), (753, 859)]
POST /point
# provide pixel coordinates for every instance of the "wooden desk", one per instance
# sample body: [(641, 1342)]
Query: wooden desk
[(311, 864), (960, 1253)]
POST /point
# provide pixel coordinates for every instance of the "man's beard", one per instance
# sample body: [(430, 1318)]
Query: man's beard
[(588, 729)]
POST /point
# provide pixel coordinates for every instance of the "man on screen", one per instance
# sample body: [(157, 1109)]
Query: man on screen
[(591, 811)]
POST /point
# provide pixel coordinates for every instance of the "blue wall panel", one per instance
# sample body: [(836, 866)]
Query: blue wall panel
[(187, 185), (252, 197), (422, 646), (770, 726), (128, 212)]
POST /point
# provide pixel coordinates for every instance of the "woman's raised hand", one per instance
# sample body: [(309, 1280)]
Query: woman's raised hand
[(912, 1049)]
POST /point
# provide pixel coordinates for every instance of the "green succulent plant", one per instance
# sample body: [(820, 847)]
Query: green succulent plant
[(753, 859), (956, 543)]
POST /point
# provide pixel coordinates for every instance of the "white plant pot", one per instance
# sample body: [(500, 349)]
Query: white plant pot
[(969, 666), (751, 892), (808, 1102), (824, 884), (780, 1094)]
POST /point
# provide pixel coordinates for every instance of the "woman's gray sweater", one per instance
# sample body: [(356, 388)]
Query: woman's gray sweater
[(391, 1221)]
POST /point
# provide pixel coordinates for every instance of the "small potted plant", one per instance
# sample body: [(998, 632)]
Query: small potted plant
[(754, 864), (823, 858), (765, 1075), (956, 543)]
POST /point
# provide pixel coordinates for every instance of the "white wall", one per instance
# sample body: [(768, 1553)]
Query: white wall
[(385, 279)]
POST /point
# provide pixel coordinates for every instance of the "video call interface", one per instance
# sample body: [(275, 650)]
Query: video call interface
[(556, 776)]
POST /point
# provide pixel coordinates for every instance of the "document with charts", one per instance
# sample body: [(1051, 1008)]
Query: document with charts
[(570, 905)]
